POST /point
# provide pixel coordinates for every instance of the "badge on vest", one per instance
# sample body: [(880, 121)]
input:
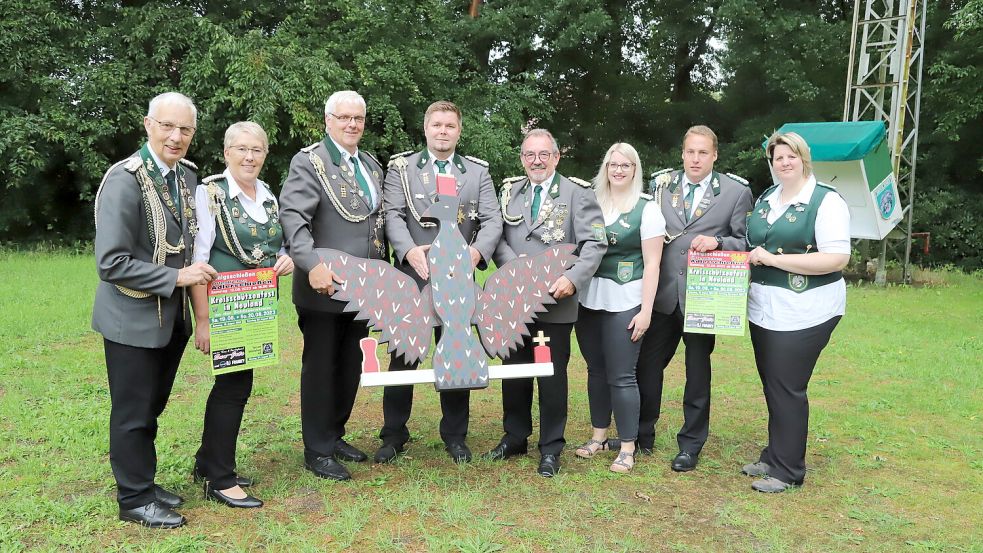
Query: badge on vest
[(599, 233), (797, 283), (625, 270)]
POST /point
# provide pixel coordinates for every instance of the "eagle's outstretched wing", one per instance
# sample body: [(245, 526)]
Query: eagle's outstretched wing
[(515, 294), (388, 299)]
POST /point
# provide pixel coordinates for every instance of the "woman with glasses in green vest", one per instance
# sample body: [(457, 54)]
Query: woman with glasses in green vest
[(239, 228), (616, 309), (798, 235)]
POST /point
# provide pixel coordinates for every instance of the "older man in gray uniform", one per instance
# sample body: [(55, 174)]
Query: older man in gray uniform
[(704, 210), (410, 190), (332, 198), (145, 231), (542, 209)]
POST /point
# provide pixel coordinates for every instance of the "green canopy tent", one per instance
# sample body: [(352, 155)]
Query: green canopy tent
[(855, 158)]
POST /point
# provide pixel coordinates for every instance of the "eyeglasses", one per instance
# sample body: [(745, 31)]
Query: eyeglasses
[(169, 127), (345, 119), (242, 150), (625, 167), (532, 157)]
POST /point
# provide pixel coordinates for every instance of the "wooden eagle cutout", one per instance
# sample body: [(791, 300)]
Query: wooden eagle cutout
[(392, 304)]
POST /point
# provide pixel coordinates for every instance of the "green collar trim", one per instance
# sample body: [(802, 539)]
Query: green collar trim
[(455, 159)]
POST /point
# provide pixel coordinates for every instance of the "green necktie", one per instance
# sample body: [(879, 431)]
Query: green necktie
[(536, 200), (360, 179), (171, 182), (688, 203), (441, 166)]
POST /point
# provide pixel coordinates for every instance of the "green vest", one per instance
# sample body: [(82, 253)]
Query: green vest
[(241, 242), (623, 261), (793, 232)]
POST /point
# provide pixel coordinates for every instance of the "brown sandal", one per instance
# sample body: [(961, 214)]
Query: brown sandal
[(588, 449), (624, 462)]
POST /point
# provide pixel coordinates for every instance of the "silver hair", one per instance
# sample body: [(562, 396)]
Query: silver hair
[(245, 127), (168, 98), (542, 132), (342, 96)]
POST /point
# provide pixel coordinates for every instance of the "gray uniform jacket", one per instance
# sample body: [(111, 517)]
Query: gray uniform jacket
[(571, 215), (320, 208), (124, 257), (722, 212), (480, 221)]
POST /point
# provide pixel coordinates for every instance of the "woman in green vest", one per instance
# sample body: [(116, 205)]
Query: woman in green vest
[(799, 237), (239, 228), (616, 308)]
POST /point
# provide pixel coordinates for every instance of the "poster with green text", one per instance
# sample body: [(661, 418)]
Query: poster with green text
[(242, 320), (716, 293)]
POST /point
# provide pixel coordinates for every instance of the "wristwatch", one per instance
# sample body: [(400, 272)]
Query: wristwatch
[(720, 241)]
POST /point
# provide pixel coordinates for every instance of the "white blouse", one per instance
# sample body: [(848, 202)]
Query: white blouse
[(777, 308), (604, 294), (205, 238)]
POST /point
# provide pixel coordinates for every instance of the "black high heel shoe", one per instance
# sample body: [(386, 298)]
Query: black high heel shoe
[(248, 502)]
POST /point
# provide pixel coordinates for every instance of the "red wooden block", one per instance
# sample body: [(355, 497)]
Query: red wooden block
[(370, 363), (446, 185)]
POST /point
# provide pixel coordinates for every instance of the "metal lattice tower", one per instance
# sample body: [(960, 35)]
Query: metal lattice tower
[(885, 83)]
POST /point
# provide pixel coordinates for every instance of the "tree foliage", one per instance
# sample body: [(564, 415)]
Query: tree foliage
[(79, 74)]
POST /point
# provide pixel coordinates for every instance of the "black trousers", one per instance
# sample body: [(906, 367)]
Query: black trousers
[(611, 359), (216, 458), (658, 348), (330, 370), (517, 392), (140, 381), (397, 404), (785, 362)]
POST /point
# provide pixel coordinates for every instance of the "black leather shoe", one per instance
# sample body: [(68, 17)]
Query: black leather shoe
[(505, 450), (153, 515), (326, 467), (549, 465), (344, 451), (387, 453), (248, 502), (241, 481), (685, 462), (171, 500), (459, 452)]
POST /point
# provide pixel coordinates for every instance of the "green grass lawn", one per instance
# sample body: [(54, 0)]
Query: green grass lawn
[(895, 447)]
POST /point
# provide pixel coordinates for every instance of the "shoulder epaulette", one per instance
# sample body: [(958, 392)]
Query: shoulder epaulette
[(481, 162), (660, 172), (581, 182), (511, 180), (741, 180), (394, 157), (646, 196), (211, 178), (130, 164), (188, 163), (307, 149)]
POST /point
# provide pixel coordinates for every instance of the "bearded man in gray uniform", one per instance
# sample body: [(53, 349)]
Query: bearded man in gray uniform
[(542, 209), (704, 210), (145, 232), (409, 190), (332, 198)]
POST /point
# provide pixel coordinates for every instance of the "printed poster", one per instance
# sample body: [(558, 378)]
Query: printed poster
[(716, 293), (242, 320)]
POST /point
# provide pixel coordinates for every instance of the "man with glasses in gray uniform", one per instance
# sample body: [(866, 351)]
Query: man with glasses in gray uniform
[(145, 233), (332, 198)]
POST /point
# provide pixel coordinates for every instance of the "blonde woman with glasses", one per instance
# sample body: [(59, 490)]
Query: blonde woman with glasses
[(616, 308)]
